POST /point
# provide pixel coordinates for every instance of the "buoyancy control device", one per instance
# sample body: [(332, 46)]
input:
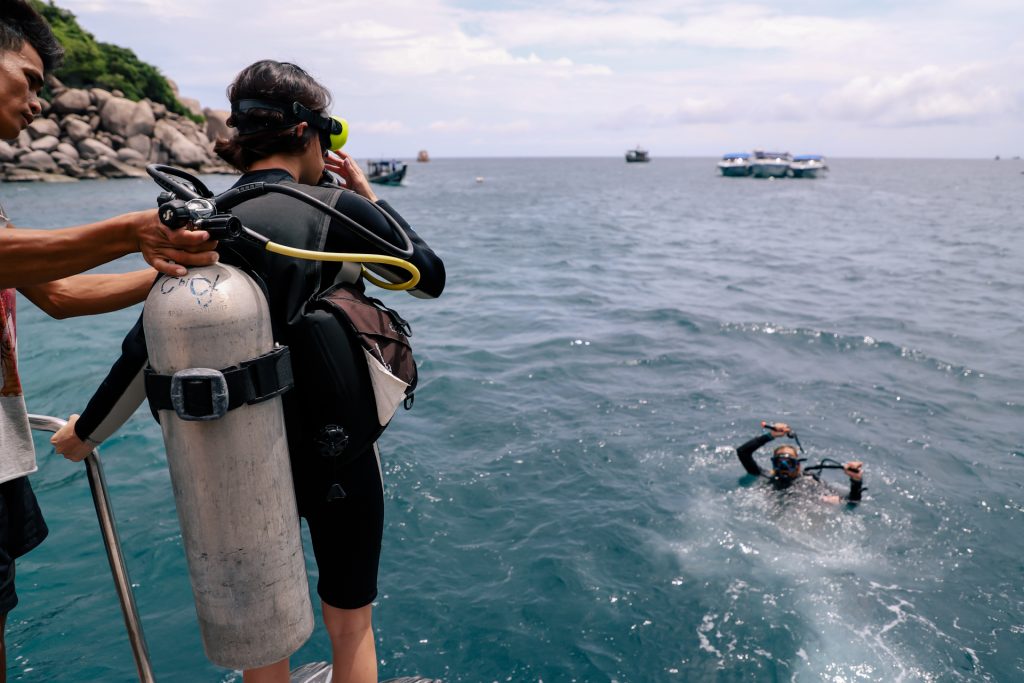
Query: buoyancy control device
[(350, 353)]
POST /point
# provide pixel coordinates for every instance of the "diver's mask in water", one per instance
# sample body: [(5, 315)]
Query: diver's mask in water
[(333, 130), (786, 465)]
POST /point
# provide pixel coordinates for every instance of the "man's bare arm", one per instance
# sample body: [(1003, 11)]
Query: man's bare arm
[(90, 294), (30, 257)]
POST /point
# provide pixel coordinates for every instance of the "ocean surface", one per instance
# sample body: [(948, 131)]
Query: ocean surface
[(564, 502)]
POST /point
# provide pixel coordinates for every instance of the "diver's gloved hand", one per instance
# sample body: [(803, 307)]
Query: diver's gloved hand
[(854, 469)]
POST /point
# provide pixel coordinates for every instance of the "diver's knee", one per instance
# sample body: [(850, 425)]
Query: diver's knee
[(341, 623)]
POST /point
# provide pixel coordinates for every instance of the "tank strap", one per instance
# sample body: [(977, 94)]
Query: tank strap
[(201, 394)]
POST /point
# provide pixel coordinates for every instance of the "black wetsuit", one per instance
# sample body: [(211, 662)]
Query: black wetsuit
[(346, 533), (746, 455)]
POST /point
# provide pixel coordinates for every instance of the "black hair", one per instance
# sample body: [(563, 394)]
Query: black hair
[(277, 82), (20, 22)]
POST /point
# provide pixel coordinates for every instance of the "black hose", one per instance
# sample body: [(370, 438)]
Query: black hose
[(224, 202), (824, 465), (160, 173), (243, 193)]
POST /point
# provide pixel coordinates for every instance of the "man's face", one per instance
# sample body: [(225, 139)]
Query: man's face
[(21, 79)]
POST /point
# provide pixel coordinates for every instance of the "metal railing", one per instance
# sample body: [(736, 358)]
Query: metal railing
[(101, 500)]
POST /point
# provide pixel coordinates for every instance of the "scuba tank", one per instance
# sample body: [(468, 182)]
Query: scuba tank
[(215, 381)]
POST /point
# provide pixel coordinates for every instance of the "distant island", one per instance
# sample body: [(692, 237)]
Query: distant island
[(106, 114)]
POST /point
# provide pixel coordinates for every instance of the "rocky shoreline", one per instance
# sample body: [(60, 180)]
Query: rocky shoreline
[(86, 134)]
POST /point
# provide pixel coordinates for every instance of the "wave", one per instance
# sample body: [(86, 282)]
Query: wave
[(845, 343)]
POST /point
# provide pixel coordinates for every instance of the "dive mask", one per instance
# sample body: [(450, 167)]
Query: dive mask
[(333, 130), (786, 465), (335, 137)]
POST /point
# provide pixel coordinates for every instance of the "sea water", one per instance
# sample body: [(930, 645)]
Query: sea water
[(564, 502)]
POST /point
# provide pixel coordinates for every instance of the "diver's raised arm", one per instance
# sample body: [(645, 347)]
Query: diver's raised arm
[(855, 471), (746, 453), (346, 167)]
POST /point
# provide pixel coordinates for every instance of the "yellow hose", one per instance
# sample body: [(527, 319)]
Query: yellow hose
[(354, 258)]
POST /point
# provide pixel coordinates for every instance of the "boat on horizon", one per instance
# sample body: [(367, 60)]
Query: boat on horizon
[(637, 155), (808, 166), (770, 164), (385, 171), (422, 156), (735, 164)]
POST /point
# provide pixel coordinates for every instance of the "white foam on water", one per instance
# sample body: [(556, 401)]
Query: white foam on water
[(793, 560)]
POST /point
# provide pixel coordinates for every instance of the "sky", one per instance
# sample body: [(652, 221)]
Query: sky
[(472, 78)]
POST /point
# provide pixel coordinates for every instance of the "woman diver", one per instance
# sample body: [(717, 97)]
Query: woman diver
[(280, 114)]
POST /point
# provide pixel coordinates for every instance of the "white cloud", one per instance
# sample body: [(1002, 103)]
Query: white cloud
[(442, 72), (148, 8), (753, 27), (926, 96), (456, 126), (742, 27), (689, 111), (387, 127), (713, 110), (520, 126), (389, 49), (465, 125)]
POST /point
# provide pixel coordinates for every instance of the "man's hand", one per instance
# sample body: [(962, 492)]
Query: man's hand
[(854, 469), (780, 429), (67, 443), (169, 251)]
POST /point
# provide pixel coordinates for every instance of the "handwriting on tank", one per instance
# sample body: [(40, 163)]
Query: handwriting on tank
[(202, 288)]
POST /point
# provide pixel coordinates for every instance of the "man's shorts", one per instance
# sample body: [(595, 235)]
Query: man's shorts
[(22, 528), (347, 532)]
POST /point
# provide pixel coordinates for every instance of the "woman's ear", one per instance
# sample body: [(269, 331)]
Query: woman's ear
[(300, 129)]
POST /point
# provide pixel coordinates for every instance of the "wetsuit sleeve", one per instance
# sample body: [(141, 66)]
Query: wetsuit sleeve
[(432, 274), (341, 238), (746, 453), (121, 392), (855, 491)]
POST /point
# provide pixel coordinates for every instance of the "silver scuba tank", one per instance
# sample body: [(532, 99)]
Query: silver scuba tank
[(230, 473)]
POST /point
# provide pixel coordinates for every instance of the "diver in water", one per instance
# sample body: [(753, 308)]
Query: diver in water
[(282, 136), (787, 465)]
